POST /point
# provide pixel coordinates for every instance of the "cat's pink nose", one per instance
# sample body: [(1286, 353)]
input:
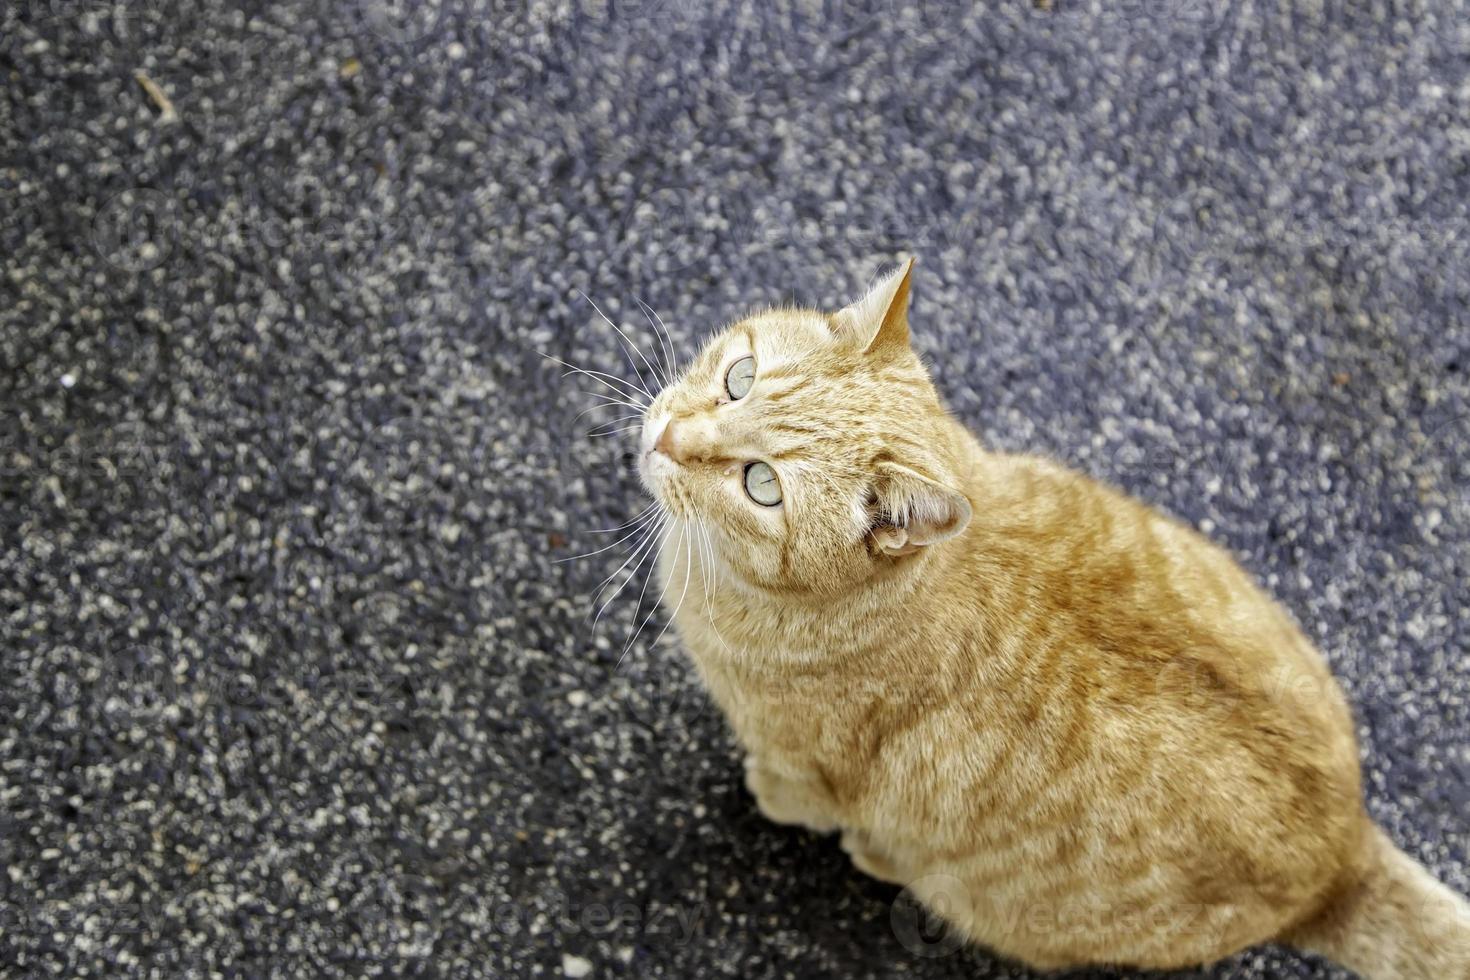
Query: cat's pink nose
[(666, 443)]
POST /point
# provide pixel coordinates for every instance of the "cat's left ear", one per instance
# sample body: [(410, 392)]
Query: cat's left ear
[(880, 320), (914, 511)]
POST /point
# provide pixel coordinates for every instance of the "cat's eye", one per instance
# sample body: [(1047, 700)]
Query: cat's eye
[(761, 484), (740, 378)]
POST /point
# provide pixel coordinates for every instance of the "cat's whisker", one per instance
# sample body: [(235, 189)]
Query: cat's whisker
[(638, 527), (688, 568), (619, 385), (651, 534), (615, 432), (646, 533), (630, 390), (711, 589), (713, 582), (652, 569), (610, 400), (620, 418), (650, 546), (609, 381), (588, 411), (626, 423), (624, 345), (667, 341), (636, 382), (663, 382), (654, 553), (638, 518), (665, 352), (603, 433), (596, 621), (706, 556)]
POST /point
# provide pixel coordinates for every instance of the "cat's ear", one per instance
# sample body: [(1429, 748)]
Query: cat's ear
[(880, 320), (912, 511)]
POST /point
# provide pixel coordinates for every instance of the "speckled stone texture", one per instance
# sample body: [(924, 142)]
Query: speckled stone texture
[(291, 682)]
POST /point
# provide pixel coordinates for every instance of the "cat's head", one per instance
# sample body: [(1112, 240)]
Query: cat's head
[(813, 445)]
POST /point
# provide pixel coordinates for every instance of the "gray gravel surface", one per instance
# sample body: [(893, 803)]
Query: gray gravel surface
[(291, 682)]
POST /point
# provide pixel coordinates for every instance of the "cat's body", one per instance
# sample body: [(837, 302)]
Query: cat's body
[(1071, 725), (1035, 724)]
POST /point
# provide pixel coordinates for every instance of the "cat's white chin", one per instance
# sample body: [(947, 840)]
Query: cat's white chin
[(654, 468)]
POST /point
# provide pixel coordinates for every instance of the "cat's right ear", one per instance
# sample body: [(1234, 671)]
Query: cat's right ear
[(880, 320), (912, 511)]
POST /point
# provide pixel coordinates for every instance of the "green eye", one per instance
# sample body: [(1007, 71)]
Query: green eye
[(761, 484), (740, 377)]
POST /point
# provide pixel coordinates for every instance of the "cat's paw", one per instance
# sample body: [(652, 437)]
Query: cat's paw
[(868, 860), (784, 801)]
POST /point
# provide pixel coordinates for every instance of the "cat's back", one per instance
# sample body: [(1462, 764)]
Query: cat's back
[(1146, 656), (1117, 577), (1137, 598)]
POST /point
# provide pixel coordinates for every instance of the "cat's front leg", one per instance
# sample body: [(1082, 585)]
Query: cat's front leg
[(786, 800)]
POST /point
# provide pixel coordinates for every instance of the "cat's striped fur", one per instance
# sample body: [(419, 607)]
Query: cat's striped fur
[(1067, 722)]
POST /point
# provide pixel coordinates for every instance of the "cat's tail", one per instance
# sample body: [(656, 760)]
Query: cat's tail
[(1391, 921)]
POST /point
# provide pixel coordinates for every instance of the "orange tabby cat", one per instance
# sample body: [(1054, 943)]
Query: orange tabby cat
[(1069, 724)]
